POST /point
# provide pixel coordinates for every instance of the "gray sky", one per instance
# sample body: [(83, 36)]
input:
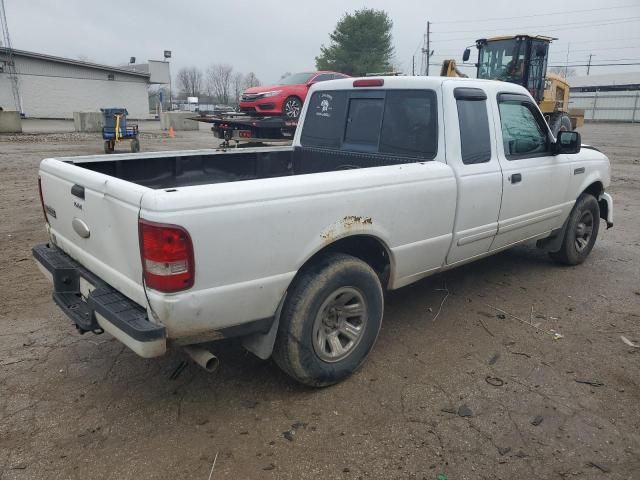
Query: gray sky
[(271, 37)]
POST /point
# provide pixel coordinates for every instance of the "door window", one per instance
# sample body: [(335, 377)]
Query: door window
[(523, 131)]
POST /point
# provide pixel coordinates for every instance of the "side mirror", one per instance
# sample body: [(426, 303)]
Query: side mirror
[(567, 143), (466, 55)]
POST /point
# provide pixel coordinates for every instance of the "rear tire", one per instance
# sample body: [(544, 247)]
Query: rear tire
[(330, 320), (109, 146), (581, 232)]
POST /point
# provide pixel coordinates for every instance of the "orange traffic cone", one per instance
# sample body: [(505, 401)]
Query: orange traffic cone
[(172, 134)]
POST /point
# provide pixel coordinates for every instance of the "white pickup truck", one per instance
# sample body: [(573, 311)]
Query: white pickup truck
[(388, 180)]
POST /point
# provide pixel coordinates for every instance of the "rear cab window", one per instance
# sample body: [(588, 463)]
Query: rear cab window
[(389, 122)]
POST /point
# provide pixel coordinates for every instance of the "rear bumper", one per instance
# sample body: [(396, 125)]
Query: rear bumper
[(95, 306)]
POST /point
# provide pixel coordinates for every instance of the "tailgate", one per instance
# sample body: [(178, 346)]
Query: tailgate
[(94, 219)]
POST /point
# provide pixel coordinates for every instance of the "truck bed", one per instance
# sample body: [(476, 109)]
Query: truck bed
[(179, 169)]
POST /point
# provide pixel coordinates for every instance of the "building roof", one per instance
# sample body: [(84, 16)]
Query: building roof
[(618, 80), (69, 61)]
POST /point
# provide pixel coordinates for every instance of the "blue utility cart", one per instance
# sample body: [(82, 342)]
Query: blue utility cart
[(116, 129)]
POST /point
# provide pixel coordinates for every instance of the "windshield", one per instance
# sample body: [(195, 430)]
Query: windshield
[(296, 79), (502, 60)]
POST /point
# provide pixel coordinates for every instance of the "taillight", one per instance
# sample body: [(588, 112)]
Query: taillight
[(369, 82), (44, 210), (167, 256)]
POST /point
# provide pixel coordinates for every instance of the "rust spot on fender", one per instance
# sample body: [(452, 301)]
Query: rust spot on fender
[(351, 220), (347, 223)]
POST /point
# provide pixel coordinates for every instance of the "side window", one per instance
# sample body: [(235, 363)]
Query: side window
[(475, 141), (522, 131), (324, 123), (323, 77), (410, 125), (362, 131)]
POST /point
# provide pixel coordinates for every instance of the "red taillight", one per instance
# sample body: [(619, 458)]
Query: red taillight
[(44, 210), (369, 82), (167, 256)]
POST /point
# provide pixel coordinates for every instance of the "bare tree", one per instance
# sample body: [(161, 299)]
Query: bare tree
[(238, 86), (250, 80), (190, 81), (219, 79)]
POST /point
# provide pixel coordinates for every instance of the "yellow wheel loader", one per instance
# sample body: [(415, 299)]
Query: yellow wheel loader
[(522, 59)]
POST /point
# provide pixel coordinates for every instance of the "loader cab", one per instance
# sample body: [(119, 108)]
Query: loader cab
[(519, 59)]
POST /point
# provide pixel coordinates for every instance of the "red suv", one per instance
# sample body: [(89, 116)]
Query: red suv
[(285, 98)]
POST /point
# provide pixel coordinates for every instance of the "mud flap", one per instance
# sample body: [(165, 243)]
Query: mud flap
[(261, 344)]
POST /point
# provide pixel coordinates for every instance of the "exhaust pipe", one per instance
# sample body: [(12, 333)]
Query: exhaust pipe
[(203, 357)]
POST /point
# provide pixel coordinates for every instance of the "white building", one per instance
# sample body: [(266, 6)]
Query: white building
[(55, 87), (611, 97)]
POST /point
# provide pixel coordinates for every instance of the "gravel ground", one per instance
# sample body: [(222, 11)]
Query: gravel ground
[(473, 394)]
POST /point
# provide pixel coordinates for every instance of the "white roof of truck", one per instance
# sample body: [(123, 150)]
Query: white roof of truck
[(409, 82)]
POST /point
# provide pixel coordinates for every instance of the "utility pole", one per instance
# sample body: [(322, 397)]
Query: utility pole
[(428, 46), (413, 65), (566, 65), (589, 64), (10, 61)]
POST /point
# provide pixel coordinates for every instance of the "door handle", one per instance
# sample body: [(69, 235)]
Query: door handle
[(515, 177)]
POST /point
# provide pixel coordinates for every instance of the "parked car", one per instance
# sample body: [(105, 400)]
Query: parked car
[(388, 180), (285, 98)]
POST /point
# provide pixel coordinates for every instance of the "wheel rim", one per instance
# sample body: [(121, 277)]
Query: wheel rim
[(340, 324), (584, 231), (292, 108)]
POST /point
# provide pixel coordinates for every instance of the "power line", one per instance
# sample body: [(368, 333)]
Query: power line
[(601, 49), (535, 15), (594, 64), (608, 60), (540, 31), (610, 21)]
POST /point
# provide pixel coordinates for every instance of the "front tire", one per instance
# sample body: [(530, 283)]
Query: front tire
[(330, 320), (581, 232), (291, 108)]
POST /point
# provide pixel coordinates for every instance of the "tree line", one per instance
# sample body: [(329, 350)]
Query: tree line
[(219, 82)]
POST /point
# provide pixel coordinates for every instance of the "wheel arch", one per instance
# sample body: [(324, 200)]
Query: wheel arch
[(596, 189), (369, 248)]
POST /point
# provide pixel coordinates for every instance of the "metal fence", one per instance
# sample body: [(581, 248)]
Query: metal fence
[(608, 106)]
